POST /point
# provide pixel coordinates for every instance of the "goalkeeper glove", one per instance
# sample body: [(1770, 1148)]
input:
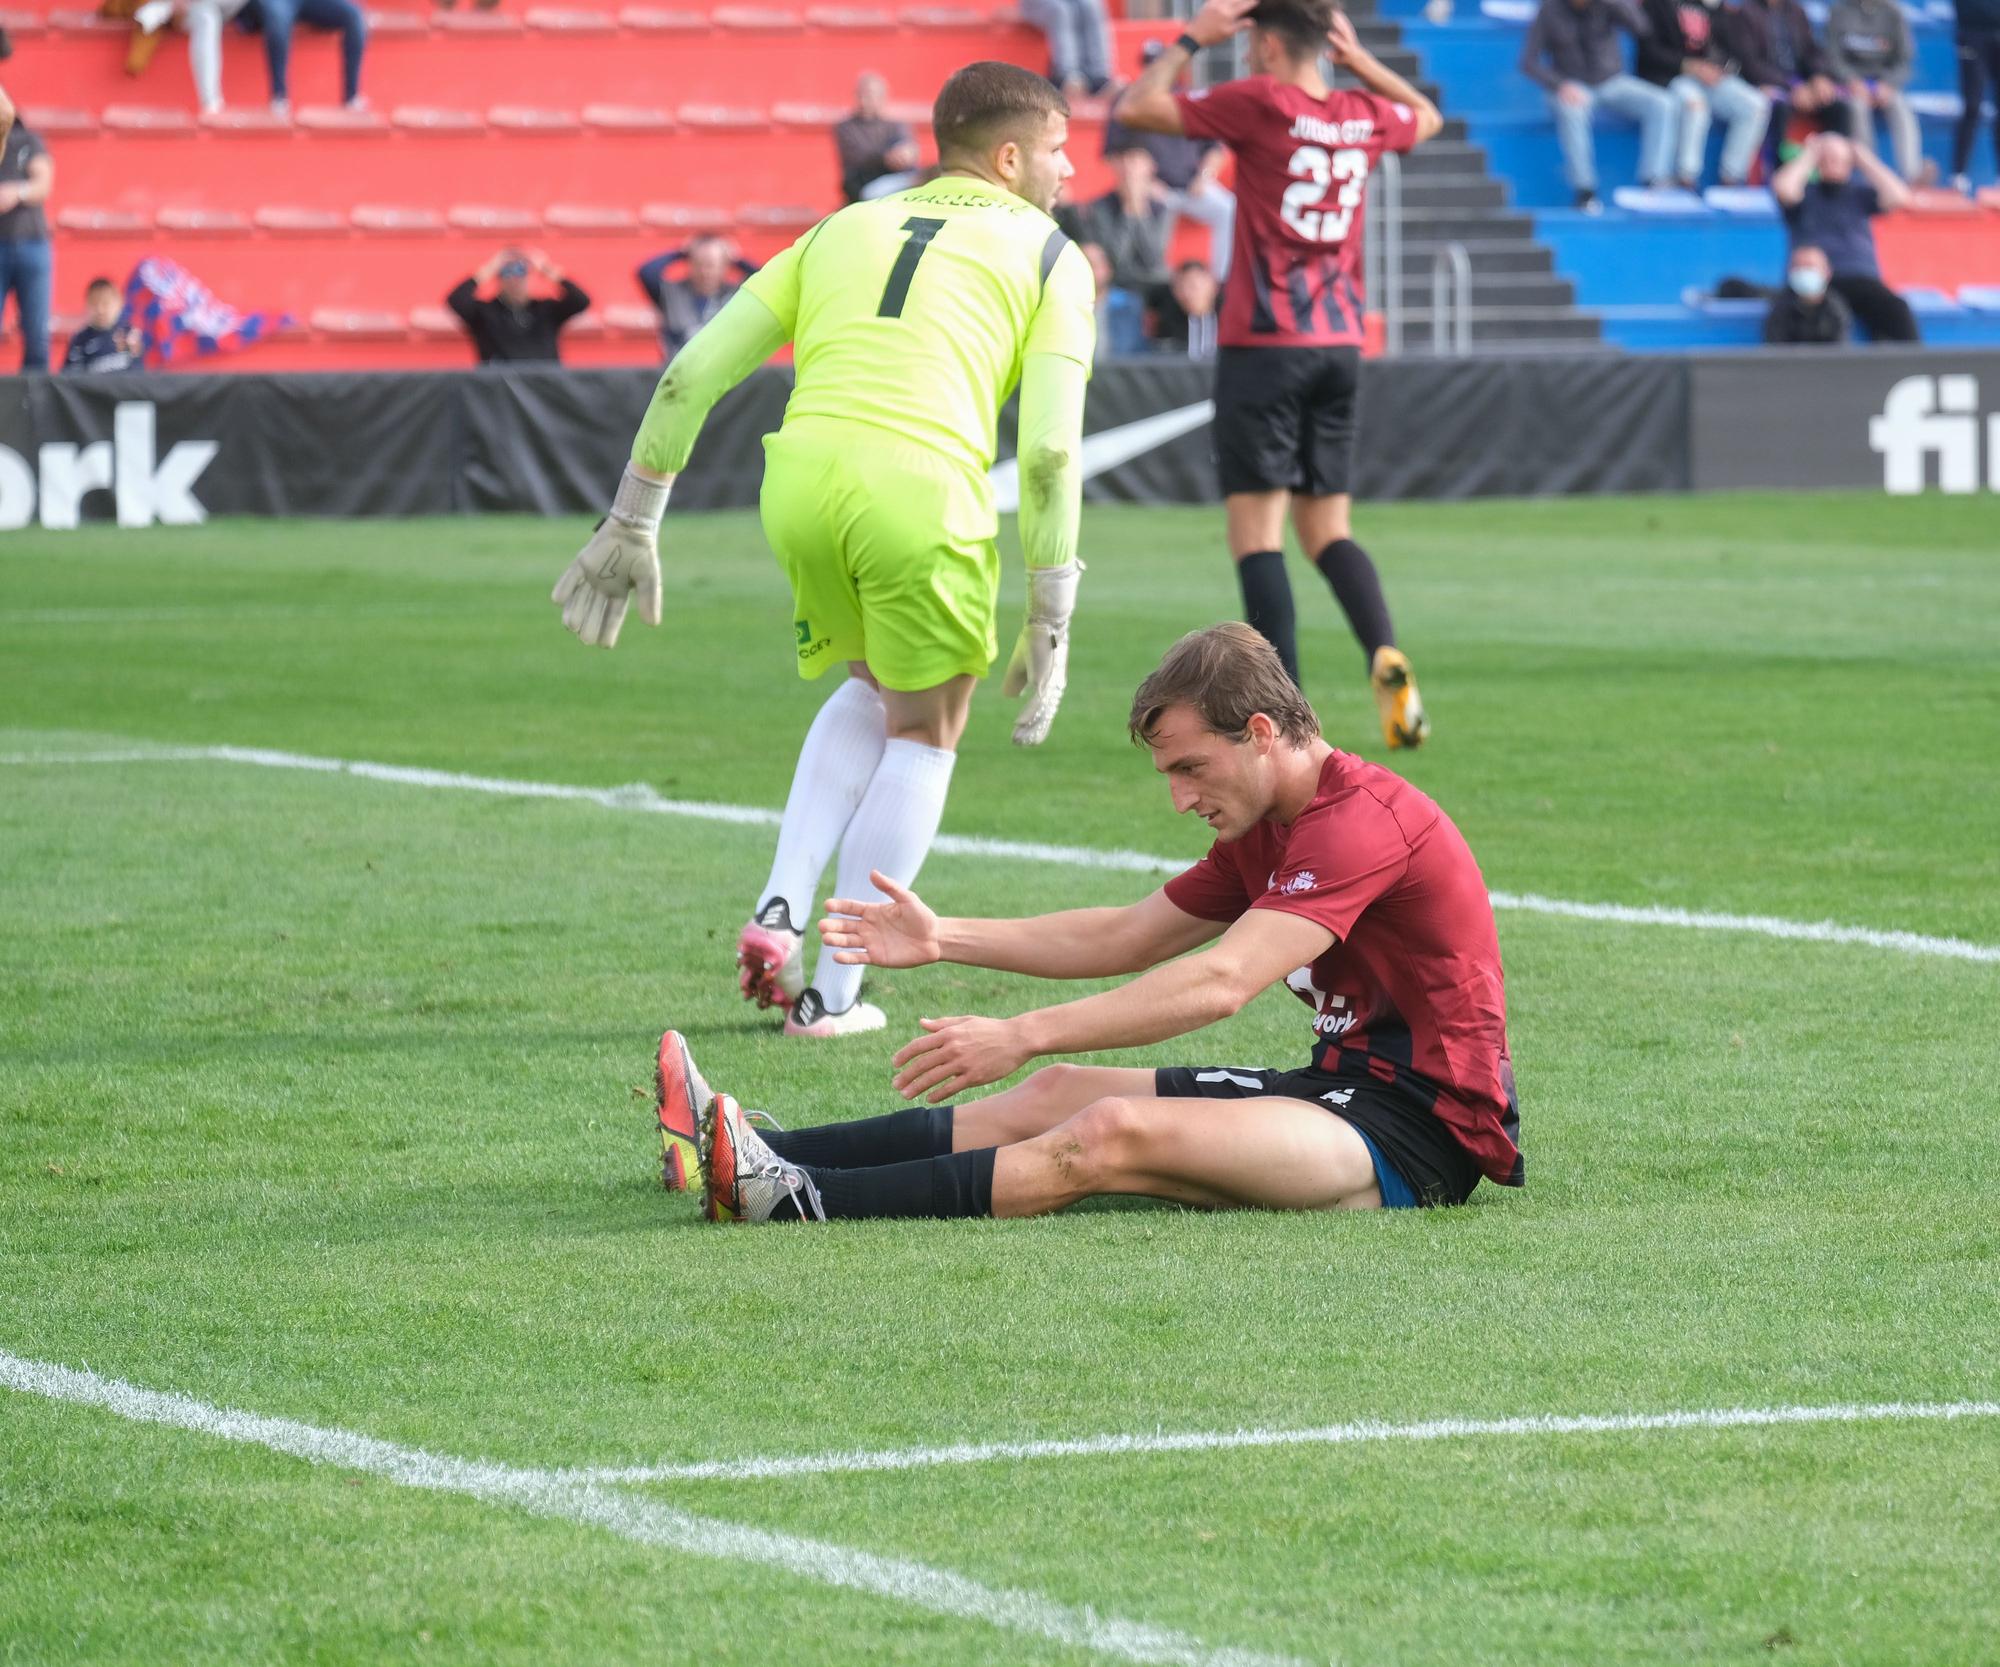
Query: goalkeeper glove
[(1040, 665), (622, 557)]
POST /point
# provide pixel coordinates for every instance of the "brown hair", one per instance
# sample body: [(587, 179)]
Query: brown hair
[(1301, 24), (1228, 674), (987, 103)]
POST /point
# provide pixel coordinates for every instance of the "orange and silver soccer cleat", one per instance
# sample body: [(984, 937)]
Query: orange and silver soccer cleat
[(683, 1097), (1404, 723)]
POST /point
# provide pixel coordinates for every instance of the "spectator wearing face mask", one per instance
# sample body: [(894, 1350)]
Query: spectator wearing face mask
[(1806, 312), (1829, 193), (1869, 50), (1694, 53)]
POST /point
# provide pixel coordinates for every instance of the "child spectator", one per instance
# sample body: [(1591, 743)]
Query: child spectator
[(103, 343)]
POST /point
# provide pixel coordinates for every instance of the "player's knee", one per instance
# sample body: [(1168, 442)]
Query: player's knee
[(1108, 1131)]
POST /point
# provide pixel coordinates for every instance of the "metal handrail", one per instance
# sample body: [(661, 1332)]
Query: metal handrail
[(1382, 248), (1451, 265)]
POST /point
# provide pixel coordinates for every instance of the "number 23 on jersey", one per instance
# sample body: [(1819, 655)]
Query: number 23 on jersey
[(1314, 173)]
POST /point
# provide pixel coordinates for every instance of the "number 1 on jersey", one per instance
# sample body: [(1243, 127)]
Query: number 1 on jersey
[(897, 290)]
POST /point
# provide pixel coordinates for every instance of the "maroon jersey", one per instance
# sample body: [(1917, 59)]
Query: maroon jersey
[(1411, 986), (1302, 164)]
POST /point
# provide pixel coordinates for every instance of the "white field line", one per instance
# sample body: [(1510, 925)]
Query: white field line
[(639, 797), (1326, 1435), (550, 1494)]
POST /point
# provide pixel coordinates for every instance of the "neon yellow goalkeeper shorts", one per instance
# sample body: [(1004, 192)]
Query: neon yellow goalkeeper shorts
[(890, 552)]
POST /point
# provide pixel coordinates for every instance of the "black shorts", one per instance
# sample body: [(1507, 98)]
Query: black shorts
[(1392, 1116), (1285, 418)]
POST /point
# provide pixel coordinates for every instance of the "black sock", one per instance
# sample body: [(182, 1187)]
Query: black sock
[(1267, 604), (900, 1137), (1358, 589), (938, 1189)]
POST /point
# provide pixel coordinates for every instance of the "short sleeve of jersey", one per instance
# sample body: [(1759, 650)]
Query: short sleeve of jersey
[(1220, 113), (1396, 123), (776, 283), (1340, 858), (1211, 890), (1065, 324)]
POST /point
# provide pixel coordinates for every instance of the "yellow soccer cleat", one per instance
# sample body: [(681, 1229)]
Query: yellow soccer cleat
[(1396, 699)]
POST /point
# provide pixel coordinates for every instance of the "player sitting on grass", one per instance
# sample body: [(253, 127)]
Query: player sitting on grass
[(914, 317), (1328, 874)]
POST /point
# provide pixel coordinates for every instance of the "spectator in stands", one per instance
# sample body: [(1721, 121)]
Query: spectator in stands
[(1692, 53), (1079, 36), (1573, 53), (1121, 321), (1188, 170), (1185, 321), (515, 326), (103, 343), (1806, 312), (1132, 224), (1827, 208), (26, 264), (1781, 55), (878, 155), (277, 19), (1869, 51), (714, 273), (1978, 70), (6, 44)]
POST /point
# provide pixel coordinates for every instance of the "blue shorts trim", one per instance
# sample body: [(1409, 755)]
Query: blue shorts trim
[(1396, 1192)]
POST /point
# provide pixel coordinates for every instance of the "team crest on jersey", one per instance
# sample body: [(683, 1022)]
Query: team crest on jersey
[(1304, 880)]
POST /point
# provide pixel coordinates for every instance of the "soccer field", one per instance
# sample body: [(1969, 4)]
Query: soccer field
[(325, 1107)]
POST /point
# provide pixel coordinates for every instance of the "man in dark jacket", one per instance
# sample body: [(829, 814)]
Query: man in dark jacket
[(1828, 208), (1574, 54), (714, 273), (515, 326), (1806, 312), (878, 154), (1693, 52), (1870, 52), (1781, 55)]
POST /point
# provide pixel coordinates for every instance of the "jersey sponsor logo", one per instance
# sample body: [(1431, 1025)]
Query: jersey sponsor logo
[(1357, 130), (809, 646), (1330, 1017)]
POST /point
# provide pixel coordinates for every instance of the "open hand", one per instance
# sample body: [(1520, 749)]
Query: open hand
[(1219, 19), (899, 933), (957, 1054), (1343, 44)]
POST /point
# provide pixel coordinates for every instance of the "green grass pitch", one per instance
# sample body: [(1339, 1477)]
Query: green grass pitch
[(326, 1098)]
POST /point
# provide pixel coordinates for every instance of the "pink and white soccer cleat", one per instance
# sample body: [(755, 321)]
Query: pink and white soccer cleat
[(770, 957)]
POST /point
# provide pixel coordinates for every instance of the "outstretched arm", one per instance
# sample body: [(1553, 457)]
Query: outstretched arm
[(1073, 943), (962, 1053)]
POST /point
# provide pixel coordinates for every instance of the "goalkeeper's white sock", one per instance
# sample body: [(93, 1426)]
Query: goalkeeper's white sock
[(891, 831), (838, 760)]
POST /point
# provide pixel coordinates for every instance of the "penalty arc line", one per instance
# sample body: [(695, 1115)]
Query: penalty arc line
[(643, 799), (1328, 1435), (561, 1496)]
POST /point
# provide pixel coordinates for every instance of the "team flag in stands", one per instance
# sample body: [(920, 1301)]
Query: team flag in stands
[(178, 317)]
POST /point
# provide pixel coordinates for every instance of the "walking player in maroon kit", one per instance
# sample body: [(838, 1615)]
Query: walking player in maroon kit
[(1328, 874), (1287, 373)]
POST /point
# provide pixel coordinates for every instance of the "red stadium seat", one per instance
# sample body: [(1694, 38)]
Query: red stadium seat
[(87, 23), (476, 217), (627, 319), (398, 25), (627, 118), (65, 124), (523, 118), (944, 17), (348, 124), (590, 217), (150, 121), (780, 216), (21, 26), (436, 321), (723, 118), (1940, 202), (479, 23), (251, 119), (684, 217), (387, 220), (102, 222), (287, 221), (850, 17), (425, 118), (586, 326), (757, 20), (561, 20), (359, 323), (807, 116), (659, 20), (1989, 197), (203, 222)]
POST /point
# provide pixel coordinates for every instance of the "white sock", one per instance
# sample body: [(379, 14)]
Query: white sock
[(891, 831), (839, 758)]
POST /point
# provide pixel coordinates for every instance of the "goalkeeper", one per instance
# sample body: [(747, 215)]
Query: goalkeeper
[(914, 318)]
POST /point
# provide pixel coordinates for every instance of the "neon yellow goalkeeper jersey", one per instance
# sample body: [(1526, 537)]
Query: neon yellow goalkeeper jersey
[(913, 313)]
